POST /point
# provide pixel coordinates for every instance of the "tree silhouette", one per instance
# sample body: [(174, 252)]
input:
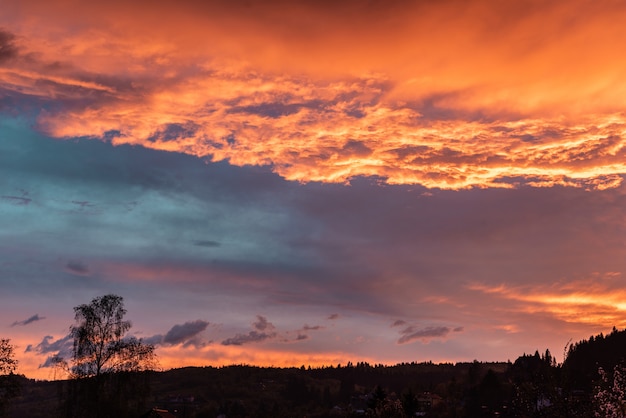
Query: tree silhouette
[(106, 362), (100, 341), (9, 387), (7, 363)]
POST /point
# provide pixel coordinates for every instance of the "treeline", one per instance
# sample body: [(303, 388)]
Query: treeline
[(111, 375), (249, 391), (585, 357), (532, 386)]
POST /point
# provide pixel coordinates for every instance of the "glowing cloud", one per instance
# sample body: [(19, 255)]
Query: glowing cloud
[(582, 302), (467, 102)]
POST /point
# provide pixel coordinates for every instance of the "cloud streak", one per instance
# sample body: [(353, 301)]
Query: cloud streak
[(77, 268), (413, 333), (583, 302), (27, 321)]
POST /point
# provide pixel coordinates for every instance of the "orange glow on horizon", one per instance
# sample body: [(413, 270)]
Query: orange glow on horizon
[(212, 355), (219, 356)]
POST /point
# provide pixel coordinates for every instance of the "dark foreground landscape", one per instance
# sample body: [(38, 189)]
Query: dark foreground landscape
[(589, 381)]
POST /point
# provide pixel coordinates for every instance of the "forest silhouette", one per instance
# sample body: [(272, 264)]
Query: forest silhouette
[(113, 375)]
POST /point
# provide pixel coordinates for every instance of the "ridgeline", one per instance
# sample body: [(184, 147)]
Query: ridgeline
[(532, 386)]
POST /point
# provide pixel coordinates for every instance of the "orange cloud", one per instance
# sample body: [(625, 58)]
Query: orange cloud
[(448, 95), (585, 302)]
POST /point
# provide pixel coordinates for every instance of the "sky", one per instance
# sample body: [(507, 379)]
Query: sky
[(286, 183)]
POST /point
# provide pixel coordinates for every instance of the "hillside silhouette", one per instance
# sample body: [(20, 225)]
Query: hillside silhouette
[(534, 385)]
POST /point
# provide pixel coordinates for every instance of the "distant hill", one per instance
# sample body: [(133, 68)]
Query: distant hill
[(248, 391), (533, 385)]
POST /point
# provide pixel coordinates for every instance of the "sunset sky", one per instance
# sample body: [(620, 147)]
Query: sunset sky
[(314, 182)]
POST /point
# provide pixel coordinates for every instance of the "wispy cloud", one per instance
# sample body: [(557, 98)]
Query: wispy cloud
[(77, 268), (17, 200), (312, 328), (206, 243), (413, 333), (30, 320), (263, 330)]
